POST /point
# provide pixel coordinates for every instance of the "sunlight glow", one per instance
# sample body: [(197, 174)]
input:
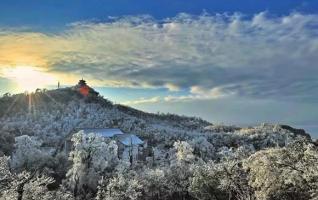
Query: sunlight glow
[(29, 78)]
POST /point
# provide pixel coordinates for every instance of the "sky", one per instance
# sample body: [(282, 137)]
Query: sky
[(227, 61)]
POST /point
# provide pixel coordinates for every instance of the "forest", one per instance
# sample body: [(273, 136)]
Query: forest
[(185, 157)]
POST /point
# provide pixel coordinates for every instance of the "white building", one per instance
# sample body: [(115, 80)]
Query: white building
[(129, 145)]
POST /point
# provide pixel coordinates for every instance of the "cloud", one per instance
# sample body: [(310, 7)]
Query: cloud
[(172, 87), (142, 101), (208, 55), (199, 93), (196, 93)]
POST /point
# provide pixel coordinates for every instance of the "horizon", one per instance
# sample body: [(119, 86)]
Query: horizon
[(226, 62)]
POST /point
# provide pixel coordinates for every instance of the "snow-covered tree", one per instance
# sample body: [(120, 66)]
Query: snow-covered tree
[(205, 184), (183, 153), (27, 153), (5, 174), (26, 185), (179, 171), (224, 180), (203, 148), (121, 186), (92, 156), (7, 142), (36, 188), (154, 183), (285, 173)]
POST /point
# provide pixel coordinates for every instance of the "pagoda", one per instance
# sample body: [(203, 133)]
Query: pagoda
[(82, 83), (84, 89)]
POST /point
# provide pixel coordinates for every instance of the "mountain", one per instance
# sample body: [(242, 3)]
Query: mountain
[(182, 157), (52, 115)]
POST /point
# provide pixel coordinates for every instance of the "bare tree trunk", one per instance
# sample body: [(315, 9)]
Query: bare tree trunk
[(20, 191)]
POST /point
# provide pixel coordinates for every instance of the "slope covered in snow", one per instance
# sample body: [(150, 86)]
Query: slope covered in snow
[(180, 157)]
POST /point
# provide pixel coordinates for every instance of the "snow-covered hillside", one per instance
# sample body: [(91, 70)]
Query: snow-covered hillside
[(185, 157)]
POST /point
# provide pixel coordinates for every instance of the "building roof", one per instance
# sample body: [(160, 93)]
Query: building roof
[(129, 139), (105, 132)]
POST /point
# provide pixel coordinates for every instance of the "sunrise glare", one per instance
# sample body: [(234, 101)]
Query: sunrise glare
[(29, 78)]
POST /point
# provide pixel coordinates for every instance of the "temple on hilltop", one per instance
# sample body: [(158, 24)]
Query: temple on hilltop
[(84, 89), (82, 83)]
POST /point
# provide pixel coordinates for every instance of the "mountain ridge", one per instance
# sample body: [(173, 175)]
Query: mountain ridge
[(58, 112)]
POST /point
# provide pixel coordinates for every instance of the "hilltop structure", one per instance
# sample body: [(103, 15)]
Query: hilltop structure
[(82, 83), (84, 89)]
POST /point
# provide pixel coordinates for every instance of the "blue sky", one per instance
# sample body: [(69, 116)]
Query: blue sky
[(228, 61), (43, 14)]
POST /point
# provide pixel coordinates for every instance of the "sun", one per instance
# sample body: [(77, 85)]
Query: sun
[(29, 78)]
